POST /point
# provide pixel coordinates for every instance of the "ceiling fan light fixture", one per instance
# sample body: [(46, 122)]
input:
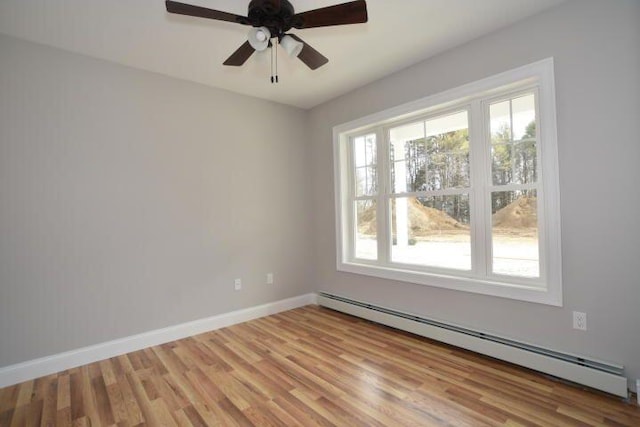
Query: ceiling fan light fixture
[(291, 46), (259, 38), (272, 19)]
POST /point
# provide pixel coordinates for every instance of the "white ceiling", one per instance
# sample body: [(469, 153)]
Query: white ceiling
[(141, 34)]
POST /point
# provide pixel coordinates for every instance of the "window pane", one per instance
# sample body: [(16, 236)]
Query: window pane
[(524, 117), (513, 141), (431, 155), (366, 182), (365, 150), (525, 162), (448, 151), (500, 122), (408, 166), (408, 132), (407, 155), (446, 124), (431, 231), (515, 233), (366, 240), (448, 170), (501, 161)]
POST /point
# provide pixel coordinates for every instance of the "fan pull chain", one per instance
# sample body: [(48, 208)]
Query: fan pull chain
[(274, 52), (271, 53)]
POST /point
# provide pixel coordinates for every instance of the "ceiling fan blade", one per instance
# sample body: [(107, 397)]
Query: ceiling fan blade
[(311, 57), (240, 56), (203, 12), (354, 12)]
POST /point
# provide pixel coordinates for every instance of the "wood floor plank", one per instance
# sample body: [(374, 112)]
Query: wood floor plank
[(133, 411), (77, 403), (285, 417), (8, 398), (148, 414), (198, 401), (305, 414), (19, 417), (170, 360), (63, 417), (435, 401), (117, 403), (194, 416), (88, 397), (24, 393), (306, 367), (34, 413), (103, 404), (163, 414), (63, 402), (315, 404)]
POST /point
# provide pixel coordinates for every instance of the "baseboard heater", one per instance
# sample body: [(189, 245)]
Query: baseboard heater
[(592, 373)]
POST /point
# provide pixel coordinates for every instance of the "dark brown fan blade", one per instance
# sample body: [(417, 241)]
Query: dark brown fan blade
[(203, 12), (354, 12), (240, 56), (311, 57)]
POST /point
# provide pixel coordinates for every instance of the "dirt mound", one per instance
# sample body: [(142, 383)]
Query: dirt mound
[(367, 221), (423, 220), (521, 213), (517, 215)]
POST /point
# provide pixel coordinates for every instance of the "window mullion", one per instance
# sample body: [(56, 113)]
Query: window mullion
[(480, 176), (513, 187), (351, 198), (384, 185)]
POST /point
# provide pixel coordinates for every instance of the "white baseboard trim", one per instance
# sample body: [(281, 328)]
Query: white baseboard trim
[(14, 374)]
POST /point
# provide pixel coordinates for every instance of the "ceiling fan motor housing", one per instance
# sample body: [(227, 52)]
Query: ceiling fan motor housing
[(276, 15)]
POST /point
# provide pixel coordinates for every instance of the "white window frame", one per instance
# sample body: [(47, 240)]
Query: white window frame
[(537, 77)]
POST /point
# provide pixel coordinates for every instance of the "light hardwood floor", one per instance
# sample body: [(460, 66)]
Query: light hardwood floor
[(306, 367)]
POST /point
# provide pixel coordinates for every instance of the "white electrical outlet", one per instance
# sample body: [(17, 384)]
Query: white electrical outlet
[(269, 280), (237, 284), (580, 320)]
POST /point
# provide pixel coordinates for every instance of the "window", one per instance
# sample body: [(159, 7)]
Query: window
[(457, 190)]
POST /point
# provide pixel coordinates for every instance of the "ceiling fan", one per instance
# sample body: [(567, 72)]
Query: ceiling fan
[(271, 19)]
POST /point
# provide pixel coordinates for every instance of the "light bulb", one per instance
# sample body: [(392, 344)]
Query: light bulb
[(259, 38)]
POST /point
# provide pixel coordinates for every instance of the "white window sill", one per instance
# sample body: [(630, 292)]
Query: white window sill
[(517, 291)]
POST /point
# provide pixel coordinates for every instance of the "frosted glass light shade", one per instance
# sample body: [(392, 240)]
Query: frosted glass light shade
[(259, 38), (291, 46)]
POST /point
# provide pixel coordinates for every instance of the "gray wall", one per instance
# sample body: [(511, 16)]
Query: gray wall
[(130, 201), (596, 46)]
